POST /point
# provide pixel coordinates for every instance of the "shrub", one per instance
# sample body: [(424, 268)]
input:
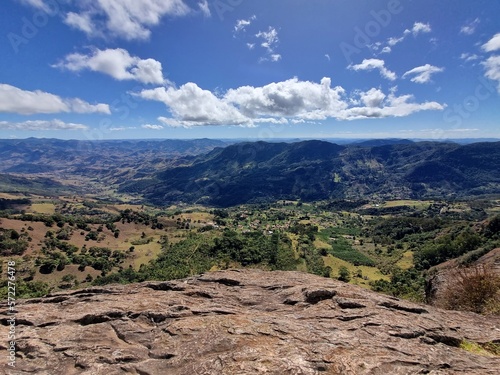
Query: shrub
[(474, 289)]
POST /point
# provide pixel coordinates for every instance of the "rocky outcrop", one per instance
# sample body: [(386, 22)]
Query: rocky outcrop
[(244, 322)]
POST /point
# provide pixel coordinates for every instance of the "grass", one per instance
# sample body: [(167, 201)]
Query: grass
[(406, 260), (489, 349), (371, 273), (43, 208)]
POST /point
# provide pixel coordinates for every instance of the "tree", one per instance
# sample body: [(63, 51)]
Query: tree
[(344, 274)]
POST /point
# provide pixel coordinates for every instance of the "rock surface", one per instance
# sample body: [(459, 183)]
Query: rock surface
[(243, 322)]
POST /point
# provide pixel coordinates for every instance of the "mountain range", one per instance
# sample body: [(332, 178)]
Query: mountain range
[(315, 170)]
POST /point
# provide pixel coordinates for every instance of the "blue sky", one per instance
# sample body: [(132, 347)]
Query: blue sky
[(116, 69)]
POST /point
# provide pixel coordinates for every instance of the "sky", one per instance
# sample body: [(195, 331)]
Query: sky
[(255, 69)]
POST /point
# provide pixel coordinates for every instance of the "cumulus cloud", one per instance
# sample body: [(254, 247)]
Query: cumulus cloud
[(292, 101), (470, 28), (422, 74), (41, 125), (493, 44), (371, 64), (117, 63), (16, 100), (127, 19), (420, 28), (195, 106), (492, 66)]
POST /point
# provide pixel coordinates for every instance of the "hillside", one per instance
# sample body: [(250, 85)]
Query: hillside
[(247, 322), (315, 170)]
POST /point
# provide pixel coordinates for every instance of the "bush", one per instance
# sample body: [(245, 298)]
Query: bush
[(474, 289)]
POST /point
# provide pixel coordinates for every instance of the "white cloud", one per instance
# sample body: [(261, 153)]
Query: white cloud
[(470, 28), (328, 57), (270, 38), (493, 44), (492, 66), (127, 19), (116, 63), (393, 41), (373, 98), (41, 125), (194, 106), (251, 45), (152, 127), (419, 27), (82, 22), (39, 4), (16, 100), (386, 49), (241, 25), (204, 7), (292, 101), (469, 56), (422, 74), (371, 64)]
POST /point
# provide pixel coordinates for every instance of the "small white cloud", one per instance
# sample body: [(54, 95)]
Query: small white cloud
[(117, 63), (328, 57), (386, 49), (419, 27), (16, 100), (251, 45), (492, 66), (493, 44), (393, 41), (241, 25), (38, 125), (469, 56), (371, 64), (205, 9), (82, 22), (270, 38), (470, 28), (152, 127), (422, 74)]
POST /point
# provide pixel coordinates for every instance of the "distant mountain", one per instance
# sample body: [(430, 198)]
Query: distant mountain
[(108, 161), (312, 170)]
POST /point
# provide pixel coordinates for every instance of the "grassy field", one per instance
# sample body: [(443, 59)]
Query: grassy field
[(48, 208), (371, 273)]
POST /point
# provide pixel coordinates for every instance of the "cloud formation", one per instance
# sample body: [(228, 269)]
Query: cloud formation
[(152, 127), (241, 25), (16, 100), (127, 19), (422, 74), (492, 66), (374, 64), (41, 125), (117, 63), (493, 44), (292, 101), (470, 28)]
